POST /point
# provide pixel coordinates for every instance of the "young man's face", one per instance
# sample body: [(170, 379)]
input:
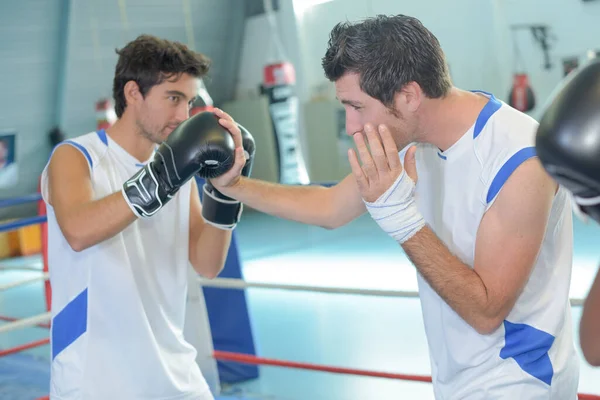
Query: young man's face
[(165, 106), (362, 109)]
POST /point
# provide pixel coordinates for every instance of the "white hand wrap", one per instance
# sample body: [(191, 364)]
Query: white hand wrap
[(396, 212)]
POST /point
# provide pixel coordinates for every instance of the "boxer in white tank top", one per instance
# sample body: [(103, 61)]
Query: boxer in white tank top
[(531, 355), (119, 276), (490, 235), (487, 229)]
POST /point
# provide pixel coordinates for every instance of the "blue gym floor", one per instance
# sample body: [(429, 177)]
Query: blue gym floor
[(354, 331)]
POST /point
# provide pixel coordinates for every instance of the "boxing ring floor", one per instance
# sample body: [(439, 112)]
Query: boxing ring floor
[(354, 331)]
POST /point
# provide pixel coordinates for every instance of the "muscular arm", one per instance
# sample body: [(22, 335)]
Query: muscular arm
[(83, 221), (508, 242), (314, 205), (208, 245), (589, 326)]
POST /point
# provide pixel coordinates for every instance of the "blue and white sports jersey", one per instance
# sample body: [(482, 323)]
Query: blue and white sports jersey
[(118, 308), (532, 354)]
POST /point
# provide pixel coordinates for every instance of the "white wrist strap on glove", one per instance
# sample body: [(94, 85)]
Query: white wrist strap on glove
[(395, 211), (219, 212)]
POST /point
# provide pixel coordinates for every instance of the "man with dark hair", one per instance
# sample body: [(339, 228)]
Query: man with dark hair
[(489, 232), (124, 224)]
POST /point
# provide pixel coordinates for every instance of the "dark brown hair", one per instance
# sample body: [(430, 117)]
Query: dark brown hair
[(387, 52), (149, 60)]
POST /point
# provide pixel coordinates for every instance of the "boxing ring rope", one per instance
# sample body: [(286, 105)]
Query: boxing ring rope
[(26, 322), (42, 320), (10, 319), (231, 283), (27, 281), (18, 201), (255, 360)]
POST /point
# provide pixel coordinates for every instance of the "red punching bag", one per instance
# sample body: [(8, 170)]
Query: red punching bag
[(203, 101), (521, 94), (105, 114)]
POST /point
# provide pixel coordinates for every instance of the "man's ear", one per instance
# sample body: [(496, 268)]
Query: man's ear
[(410, 96), (132, 93)]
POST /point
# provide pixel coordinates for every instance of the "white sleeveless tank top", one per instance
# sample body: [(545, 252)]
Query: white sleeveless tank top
[(532, 354), (118, 308)]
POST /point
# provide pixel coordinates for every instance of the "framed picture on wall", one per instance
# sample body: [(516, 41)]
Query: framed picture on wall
[(9, 173)]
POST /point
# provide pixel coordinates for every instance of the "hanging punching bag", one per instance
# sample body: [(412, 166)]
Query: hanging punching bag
[(521, 95), (203, 101), (279, 80), (105, 114)]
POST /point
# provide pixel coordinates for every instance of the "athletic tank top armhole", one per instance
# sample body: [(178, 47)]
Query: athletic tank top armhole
[(84, 151), (44, 175), (504, 170)]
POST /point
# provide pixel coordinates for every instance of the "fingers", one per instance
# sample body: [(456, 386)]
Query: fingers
[(368, 165), (234, 129), (233, 175), (357, 171), (222, 114), (377, 152), (390, 148), (240, 161)]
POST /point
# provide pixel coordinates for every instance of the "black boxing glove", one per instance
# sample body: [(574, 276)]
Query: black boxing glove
[(568, 138), (199, 145), (218, 209)]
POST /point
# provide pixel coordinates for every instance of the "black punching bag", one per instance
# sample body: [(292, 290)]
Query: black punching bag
[(521, 95)]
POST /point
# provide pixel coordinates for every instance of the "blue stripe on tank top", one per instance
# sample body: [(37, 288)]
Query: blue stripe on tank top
[(529, 347), (490, 108), (507, 169), (102, 135), (70, 323), (486, 113), (82, 149)]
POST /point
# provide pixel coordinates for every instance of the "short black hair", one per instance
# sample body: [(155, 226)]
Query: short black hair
[(149, 60), (387, 52)]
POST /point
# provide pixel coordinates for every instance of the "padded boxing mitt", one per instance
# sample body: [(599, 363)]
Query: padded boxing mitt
[(568, 137), (199, 145), (218, 209)]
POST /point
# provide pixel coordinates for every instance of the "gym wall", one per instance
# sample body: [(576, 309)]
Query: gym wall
[(29, 49), (476, 36), (59, 58), (574, 31)]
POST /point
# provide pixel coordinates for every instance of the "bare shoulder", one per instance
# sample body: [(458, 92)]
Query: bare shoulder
[(67, 155), (529, 181), (526, 197), (68, 171)]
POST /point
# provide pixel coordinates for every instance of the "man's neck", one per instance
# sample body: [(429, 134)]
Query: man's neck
[(126, 134), (448, 119)]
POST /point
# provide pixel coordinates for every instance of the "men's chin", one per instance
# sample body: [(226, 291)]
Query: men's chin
[(164, 135)]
